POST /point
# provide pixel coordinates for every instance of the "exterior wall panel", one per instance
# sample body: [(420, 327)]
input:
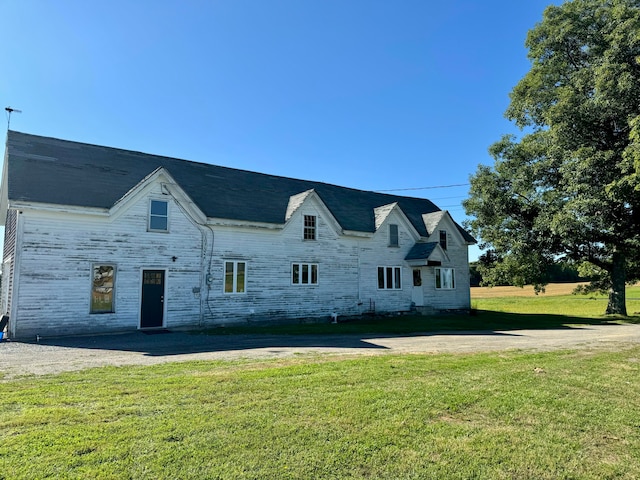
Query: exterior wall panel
[(58, 250), (57, 255)]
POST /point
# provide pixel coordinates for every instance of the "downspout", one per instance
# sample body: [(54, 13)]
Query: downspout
[(203, 228), (359, 300)]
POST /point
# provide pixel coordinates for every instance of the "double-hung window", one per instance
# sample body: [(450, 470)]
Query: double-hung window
[(304, 273), (389, 278), (394, 240), (102, 288), (443, 239), (445, 278), (309, 232), (159, 216), (235, 276)]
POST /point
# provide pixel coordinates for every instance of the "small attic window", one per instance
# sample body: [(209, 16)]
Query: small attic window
[(393, 235), (309, 232), (158, 216), (443, 239)]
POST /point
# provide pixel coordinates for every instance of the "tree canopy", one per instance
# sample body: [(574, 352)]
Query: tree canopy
[(568, 188)]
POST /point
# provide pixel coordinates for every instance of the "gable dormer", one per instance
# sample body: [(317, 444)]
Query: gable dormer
[(442, 229), (310, 222), (161, 179), (392, 219)]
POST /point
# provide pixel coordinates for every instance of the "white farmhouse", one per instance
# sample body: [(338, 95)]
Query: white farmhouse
[(99, 239)]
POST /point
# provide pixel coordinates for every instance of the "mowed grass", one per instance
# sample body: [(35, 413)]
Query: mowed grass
[(557, 300), (511, 415), (572, 414), (498, 308)]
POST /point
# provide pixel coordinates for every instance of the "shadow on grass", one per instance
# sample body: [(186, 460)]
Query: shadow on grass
[(345, 335), (479, 321)]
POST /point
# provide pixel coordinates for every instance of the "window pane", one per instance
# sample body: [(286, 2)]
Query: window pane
[(102, 289), (443, 239), (397, 277), (228, 277), (393, 235), (159, 208), (309, 227), (314, 274), (445, 278), (305, 273), (158, 223), (380, 277), (389, 279), (296, 273), (240, 277), (158, 215)]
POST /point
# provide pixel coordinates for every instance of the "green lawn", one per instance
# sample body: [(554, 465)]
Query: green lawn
[(504, 313), (491, 416), (512, 415), (592, 305)]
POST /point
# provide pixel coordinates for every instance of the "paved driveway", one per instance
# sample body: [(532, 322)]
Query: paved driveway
[(137, 348)]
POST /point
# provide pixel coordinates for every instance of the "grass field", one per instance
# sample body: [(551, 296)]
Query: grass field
[(551, 290), (512, 415), (557, 300)]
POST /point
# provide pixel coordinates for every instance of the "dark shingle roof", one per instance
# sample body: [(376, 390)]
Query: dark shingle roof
[(49, 170), (421, 251)]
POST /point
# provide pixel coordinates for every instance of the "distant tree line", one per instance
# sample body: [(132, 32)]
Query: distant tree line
[(484, 272)]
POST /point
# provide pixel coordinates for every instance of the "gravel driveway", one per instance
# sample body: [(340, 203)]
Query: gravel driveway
[(137, 348)]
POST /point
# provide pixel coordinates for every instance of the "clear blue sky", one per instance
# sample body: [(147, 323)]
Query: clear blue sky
[(375, 95)]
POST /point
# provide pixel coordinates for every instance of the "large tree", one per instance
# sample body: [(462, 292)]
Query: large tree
[(569, 186)]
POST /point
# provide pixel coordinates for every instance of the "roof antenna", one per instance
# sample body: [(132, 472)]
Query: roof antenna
[(9, 112)]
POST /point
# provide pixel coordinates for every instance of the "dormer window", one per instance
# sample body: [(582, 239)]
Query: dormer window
[(309, 232), (159, 216), (443, 239), (393, 235)]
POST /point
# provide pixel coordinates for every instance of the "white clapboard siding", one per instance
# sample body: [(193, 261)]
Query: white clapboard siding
[(457, 298), (57, 251), (56, 258)]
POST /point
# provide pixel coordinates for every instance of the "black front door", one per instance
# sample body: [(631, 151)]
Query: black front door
[(151, 315)]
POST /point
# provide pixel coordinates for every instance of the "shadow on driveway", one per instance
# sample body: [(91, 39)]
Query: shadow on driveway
[(181, 343)]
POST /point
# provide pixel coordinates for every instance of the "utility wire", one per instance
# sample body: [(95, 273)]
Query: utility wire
[(424, 188)]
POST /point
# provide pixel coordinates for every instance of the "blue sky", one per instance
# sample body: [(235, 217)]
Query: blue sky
[(375, 95)]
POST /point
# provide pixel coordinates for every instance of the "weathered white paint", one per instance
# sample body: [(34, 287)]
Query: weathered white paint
[(456, 257), (56, 250)]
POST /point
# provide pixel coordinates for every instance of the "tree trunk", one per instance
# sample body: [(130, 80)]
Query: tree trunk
[(617, 296)]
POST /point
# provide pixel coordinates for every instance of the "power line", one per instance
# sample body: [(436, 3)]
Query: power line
[(447, 198), (424, 188)]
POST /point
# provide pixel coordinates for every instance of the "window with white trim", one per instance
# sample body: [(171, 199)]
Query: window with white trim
[(389, 278), (445, 278), (304, 273), (158, 216), (394, 240), (309, 232), (103, 278), (235, 276)]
